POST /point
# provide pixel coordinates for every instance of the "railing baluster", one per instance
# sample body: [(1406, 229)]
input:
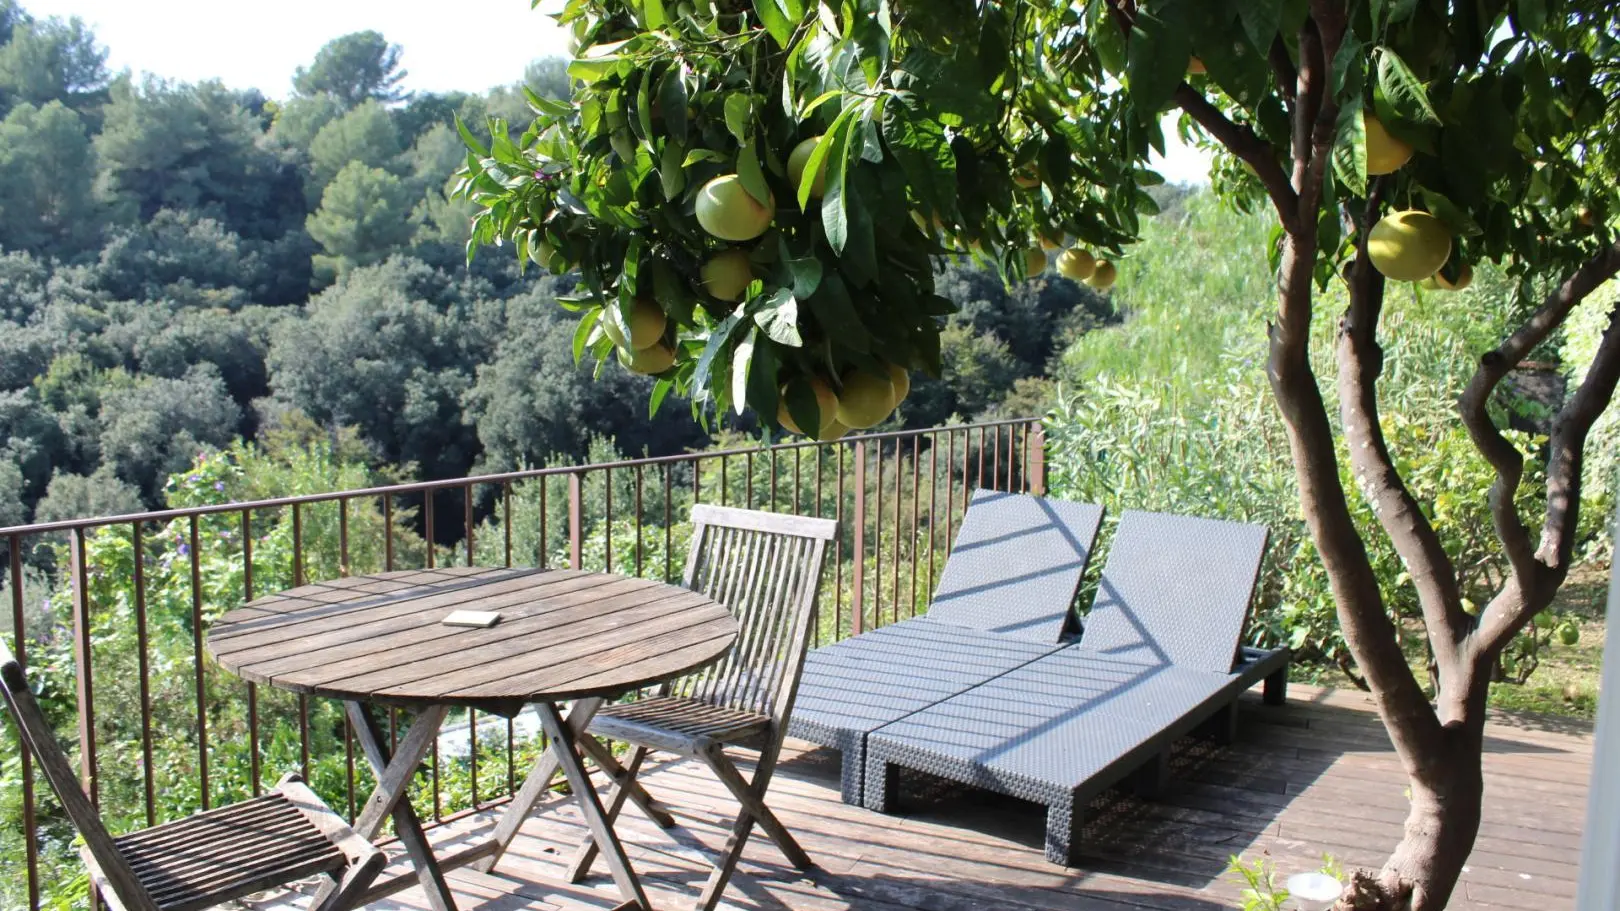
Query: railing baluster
[(343, 536), (427, 525), (995, 460), (669, 547), (197, 664), (576, 520), (298, 546), (857, 599), (639, 480), (545, 482), (877, 535), (916, 498), (388, 533), (467, 519), (252, 690), (933, 502), (506, 519), (725, 484), (143, 670), (19, 634), (772, 455), (797, 454), (1035, 458), (838, 546), (472, 753), (348, 763), (83, 671), (967, 489), (607, 524), (894, 571), (748, 482)]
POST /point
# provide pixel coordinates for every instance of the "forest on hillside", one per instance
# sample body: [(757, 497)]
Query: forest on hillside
[(184, 266)]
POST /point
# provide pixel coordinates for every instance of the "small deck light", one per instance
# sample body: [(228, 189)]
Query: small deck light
[(1314, 891)]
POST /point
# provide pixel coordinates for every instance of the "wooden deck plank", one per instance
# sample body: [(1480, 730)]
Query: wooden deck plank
[(1311, 777)]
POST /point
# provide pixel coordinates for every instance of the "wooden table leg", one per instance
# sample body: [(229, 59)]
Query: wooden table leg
[(391, 797), (561, 735), (534, 787)]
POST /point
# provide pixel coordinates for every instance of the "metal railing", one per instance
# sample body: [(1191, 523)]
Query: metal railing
[(140, 591)]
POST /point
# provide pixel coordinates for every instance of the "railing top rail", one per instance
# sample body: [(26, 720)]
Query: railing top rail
[(163, 515)]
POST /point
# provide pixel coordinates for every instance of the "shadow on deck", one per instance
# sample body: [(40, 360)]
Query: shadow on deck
[(1316, 776)]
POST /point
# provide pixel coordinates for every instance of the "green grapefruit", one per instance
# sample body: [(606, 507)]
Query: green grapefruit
[(1076, 263), (726, 210), (826, 406), (727, 274), (1409, 246), (1385, 153), (1102, 277), (1465, 277), (832, 431), (650, 360), (901, 380), (798, 159), (866, 400)]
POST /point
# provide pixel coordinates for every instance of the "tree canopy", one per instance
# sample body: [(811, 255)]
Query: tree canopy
[(354, 68)]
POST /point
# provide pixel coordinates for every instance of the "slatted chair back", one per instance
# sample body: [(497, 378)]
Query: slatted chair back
[(1176, 590), (37, 737), (766, 568)]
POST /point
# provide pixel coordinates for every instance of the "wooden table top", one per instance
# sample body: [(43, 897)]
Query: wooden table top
[(563, 634)]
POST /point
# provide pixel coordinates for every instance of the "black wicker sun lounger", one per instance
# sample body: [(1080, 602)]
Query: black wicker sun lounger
[(1005, 598), (1158, 658)]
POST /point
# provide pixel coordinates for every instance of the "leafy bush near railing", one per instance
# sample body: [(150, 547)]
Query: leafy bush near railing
[(1172, 411)]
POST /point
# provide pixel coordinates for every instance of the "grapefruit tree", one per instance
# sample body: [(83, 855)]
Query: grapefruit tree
[(1394, 140)]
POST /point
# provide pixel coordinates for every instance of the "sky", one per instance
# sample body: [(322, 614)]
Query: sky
[(469, 45)]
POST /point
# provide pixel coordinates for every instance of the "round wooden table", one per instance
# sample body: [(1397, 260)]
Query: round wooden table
[(562, 635)]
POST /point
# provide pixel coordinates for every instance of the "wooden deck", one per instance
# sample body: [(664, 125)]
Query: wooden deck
[(1314, 776)]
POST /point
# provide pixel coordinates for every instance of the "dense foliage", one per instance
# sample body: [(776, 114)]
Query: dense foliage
[(182, 266)]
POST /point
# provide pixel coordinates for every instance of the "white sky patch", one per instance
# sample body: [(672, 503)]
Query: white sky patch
[(470, 45)]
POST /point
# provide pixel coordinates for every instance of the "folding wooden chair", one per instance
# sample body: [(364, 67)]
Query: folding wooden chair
[(767, 569), (206, 859)]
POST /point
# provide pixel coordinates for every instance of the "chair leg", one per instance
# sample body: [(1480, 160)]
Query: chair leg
[(1149, 779), (603, 757), (1063, 822), (882, 786), (623, 782), (351, 888), (752, 798), (1276, 687)]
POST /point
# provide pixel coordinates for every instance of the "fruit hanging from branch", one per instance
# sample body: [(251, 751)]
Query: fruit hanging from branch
[(778, 180)]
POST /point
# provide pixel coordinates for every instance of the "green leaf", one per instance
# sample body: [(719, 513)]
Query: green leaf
[(1455, 217), (582, 332), (718, 339), (697, 155), (672, 100), (659, 391), (739, 109), (835, 312), (1402, 91), (776, 21), (752, 176), (652, 15), (741, 359), (471, 140), (833, 151), (917, 141), (1350, 150), (806, 271), (670, 172), (1156, 62), (779, 317), (1261, 19)]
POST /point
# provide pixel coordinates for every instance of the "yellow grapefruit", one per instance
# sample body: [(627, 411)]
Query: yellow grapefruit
[(865, 400), (1409, 246), (826, 405), (1034, 262), (1076, 263), (901, 380), (1465, 277), (727, 274), (797, 159), (726, 210), (1102, 277), (832, 431), (1385, 153), (1052, 241), (649, 360)]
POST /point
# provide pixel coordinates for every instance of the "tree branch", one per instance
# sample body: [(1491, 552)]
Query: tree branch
[(1282, 69), (1502, 455), (1361, 361), (1247, 145)]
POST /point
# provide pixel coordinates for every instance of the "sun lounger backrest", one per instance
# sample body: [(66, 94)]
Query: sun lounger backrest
[(1176, 590), (1016, 565)]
